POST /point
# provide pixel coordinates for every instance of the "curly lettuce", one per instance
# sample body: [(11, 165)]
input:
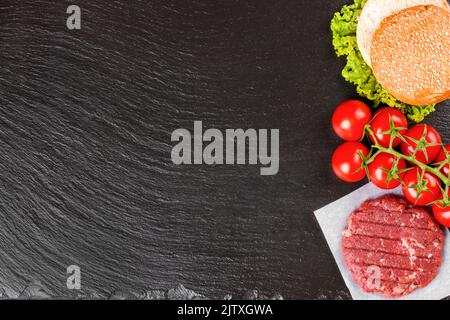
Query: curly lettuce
[(356, 71)]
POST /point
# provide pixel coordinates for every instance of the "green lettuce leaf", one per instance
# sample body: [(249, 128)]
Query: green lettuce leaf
[(356, 71)]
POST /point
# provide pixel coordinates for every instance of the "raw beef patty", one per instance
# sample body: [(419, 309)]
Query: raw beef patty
[(392, 247)]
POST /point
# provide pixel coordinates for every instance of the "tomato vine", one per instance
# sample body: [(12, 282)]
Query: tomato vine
[(395, 173)]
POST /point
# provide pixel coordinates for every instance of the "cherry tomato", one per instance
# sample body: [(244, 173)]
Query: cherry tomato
[(380, 124), (429, 181), (441, 157), (350, 118), (442, 213), (378, 167), (347, 161), (416, 133)]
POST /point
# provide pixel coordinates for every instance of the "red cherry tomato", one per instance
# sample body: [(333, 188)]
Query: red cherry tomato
[(347, 161), (441, 157), (416, 133), (377, 171), (350, 118), (380, 124), (442, 213), (413, 178)]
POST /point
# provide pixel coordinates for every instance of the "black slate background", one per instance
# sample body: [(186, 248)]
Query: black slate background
[(85, 124)]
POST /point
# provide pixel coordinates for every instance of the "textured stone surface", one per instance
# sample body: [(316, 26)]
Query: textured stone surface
[(85, 171)]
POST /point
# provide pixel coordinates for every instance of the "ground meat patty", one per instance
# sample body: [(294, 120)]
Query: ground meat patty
[(392, 247)]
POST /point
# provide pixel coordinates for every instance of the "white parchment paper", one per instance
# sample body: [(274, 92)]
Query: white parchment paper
[(333, 220)]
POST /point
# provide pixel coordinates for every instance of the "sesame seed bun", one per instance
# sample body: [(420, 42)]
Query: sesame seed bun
[(375, 11), (410, 55)]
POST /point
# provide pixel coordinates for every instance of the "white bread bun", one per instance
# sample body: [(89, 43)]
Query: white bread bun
[(375, 11)]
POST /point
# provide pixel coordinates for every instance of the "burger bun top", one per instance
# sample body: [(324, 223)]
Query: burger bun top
[(375, 11)]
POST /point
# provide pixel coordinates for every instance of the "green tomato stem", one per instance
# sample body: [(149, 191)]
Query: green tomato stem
[(411, 159), (414, 161)]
